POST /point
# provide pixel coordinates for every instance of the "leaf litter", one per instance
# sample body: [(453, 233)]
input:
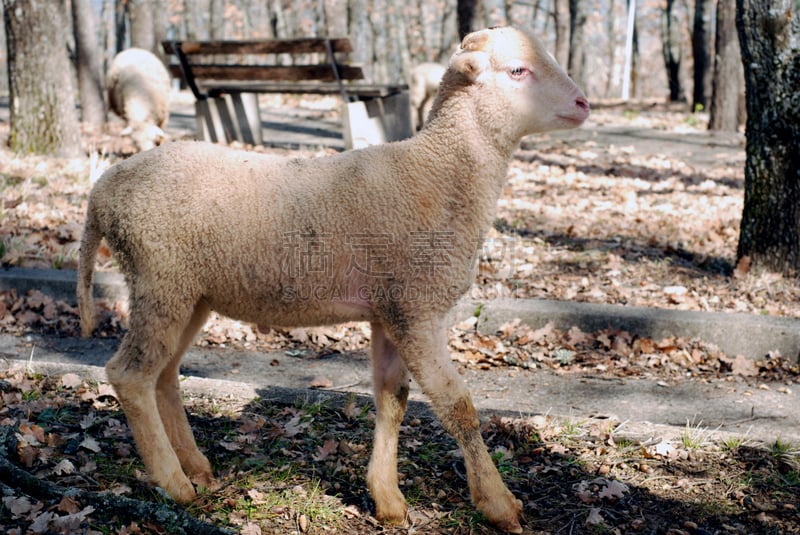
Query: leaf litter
[(581, 221)]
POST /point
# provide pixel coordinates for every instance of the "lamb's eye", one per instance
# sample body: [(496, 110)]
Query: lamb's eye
[(517, 72)]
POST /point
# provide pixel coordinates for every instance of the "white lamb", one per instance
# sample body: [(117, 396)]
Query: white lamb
[(138, 89), (386, 234), (424, 85)]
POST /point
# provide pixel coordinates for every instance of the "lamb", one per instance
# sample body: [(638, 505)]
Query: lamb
[(138, 89), (423, 87), (387, 234)]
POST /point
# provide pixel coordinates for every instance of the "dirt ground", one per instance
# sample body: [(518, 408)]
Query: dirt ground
[(639, 207)]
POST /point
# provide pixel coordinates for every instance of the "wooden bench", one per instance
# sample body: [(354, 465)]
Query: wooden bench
[(227, 76)]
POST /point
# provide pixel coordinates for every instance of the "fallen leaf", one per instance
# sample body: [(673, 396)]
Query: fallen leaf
[(743, 366), (325, 451), (614, 490), (71, 380), (320, 382)]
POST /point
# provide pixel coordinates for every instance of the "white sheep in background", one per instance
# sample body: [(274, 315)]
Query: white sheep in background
[(386, 234), (424, 85), (138, 87)]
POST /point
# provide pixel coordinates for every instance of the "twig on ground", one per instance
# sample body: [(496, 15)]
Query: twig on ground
[(171, 518)]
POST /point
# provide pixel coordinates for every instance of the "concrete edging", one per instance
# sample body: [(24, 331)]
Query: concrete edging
[(734, 333)]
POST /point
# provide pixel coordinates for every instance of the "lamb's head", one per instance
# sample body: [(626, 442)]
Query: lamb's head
[(521, 85)]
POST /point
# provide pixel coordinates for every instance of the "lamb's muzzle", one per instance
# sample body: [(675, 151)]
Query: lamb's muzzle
[(386, 234)]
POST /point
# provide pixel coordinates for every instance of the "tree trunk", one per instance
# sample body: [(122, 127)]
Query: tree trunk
[(728, 71), (576, 64), (561, 23), (43, 115), (671, 48), (142, 25), (769, 237), (87, 64), (702, 35), (466, 10)]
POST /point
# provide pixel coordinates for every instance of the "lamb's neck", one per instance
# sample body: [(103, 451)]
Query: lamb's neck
[(456, 166)]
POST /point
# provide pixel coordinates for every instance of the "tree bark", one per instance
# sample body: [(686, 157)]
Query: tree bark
[(43, 115), (671, 48), (702, 35), (769, 238), (561, 26), (466, 10), (142, 24), (576, 64), (87, 64), (728, 85)]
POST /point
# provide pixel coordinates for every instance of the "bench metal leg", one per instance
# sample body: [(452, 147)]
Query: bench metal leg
[(229, 117), (376, 121)]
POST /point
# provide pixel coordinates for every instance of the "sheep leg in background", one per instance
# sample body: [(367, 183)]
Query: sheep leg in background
[(170, 407), (146, 350), (424, 350), (390, 384)]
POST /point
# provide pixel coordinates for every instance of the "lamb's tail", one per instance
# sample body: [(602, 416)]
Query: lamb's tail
[(90, 243)]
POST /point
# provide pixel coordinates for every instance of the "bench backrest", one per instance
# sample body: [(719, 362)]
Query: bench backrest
[(199, 61)]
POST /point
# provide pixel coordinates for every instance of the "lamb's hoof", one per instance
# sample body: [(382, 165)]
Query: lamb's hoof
[(394, 513), (205, 482), (180, 489), (508, 520)]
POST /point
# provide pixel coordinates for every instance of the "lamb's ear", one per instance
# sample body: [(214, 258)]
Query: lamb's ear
[(471, 60), (470, 64)]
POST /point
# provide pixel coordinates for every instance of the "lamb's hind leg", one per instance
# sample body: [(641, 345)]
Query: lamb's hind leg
[(173, 415), (390, 383), (134, 370), (423, 346)]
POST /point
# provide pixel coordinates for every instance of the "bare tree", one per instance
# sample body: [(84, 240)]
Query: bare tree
[(702, 42), (467, 9), (769, 237), (43, 115), (576, 64), (672, 50), (727, 97), (87, 63), (561, 23)]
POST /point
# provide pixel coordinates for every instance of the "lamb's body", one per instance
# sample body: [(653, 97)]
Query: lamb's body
[(386, 234), (138, 89), (423, 87)]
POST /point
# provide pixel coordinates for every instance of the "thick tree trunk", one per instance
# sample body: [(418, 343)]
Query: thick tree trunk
[(702, 35), (769, 33), (671, 48), (87, 64), (43, 115), (728, 72), (142, 27)]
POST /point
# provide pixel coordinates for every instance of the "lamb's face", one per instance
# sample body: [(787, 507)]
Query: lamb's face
[(524, 80)]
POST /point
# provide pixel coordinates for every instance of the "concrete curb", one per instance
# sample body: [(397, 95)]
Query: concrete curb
[(734, 333)]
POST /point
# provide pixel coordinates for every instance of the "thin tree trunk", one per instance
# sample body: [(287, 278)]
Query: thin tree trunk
[(769, 237), (728, 71), (87, 61), (671, 48), (576, 64), (561, 23), (702, 35), (43, 115)]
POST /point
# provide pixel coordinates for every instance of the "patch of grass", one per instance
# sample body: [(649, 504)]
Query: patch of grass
[(695, 436)]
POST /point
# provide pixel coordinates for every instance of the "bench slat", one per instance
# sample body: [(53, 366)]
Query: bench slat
[(322, 72), (263, 46), (355, 89)]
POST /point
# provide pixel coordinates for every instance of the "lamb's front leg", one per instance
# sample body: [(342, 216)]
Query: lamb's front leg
[(390, 384), (423, 347)]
